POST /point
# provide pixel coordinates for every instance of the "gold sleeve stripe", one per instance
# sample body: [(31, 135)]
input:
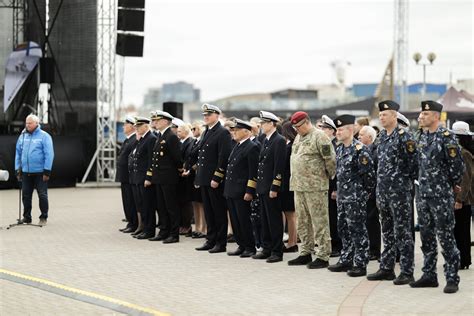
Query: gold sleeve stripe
[(251, 184), (149, 173), (276, 182), (218, 174)]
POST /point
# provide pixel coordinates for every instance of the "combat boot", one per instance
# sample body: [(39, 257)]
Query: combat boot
[(357, 272), (403, 279), (339, 267), (300, 260), (381, 274), (425, 281), (318, 264), (451, 287)]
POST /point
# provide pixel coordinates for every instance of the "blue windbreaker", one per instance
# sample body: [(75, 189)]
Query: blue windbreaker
[(34, 152)]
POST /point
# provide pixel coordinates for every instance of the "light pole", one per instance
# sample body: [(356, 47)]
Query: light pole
[(417, 57)]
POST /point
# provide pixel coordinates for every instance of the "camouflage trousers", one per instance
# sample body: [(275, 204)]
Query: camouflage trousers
[(351, 225), (436, 218), (395, 215), (313, 223)]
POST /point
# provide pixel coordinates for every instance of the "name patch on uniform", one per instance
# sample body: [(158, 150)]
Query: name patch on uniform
[(411, 146), (326, 150), (452, 151)]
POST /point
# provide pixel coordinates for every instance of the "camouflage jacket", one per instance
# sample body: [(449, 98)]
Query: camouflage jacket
[(312, 162), (396, 161), (440, 163), (355, 172)]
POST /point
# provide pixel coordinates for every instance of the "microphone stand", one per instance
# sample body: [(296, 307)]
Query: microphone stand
[(19, 221)]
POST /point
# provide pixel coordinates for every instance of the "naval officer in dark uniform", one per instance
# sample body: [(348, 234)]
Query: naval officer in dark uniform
[(271, 167), (122, 175), (166, 163), (140, 162), (240, 185), (211, 160)]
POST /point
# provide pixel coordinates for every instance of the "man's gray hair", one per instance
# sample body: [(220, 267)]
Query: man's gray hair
[(33, 117), (370, 130)]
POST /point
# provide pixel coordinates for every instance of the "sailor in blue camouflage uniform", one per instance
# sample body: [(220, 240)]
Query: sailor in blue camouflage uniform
[(440, 172), (355, 180), (397, 168)]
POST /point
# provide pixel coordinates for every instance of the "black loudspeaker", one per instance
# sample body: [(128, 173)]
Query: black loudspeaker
[(174, 108), (131, 20), (129, 45), (135, 4), (46, 70)]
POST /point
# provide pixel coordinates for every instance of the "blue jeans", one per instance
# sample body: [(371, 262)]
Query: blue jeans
[(29, 183)]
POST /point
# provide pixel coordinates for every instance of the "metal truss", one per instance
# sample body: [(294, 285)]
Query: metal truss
[(401, 51), (105, 155)]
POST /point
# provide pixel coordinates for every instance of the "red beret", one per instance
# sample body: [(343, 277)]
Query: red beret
[(298, 117)]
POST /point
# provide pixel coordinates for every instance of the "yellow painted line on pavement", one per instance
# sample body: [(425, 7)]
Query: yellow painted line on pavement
[(94, 298)]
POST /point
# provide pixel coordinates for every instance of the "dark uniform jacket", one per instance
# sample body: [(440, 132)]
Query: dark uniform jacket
[(140, 158), (271, 165), (211, 155), (166, 159), (241, 174), (122, 160), (440, 163)]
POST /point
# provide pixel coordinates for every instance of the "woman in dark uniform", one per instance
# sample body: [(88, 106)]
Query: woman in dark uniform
[(287, 196)]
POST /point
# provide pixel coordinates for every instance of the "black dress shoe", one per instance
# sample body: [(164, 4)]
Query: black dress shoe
[(300, 260), (261, 255), (274, 258), (357, 272), (171, 240), (158, 238), (217, 249), (318, 264), (236, 252), (129, 230), (247, 254), (137, 232), (25, 221), (339, 267), (290, 249), (381, 274), (404, 279), (451, 287), (144, 236), (197, 235), (122, 229), (425, 281), (206, 246)]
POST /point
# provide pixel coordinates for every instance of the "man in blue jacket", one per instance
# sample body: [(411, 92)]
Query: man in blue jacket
[(33, 162)]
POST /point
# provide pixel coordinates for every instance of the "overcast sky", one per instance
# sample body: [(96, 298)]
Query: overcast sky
[(229, 47)]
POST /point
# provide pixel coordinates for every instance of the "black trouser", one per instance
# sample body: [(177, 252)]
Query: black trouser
[(138, 193), (129, 207), (272, 225), (239, 211), (373, 227), (186, 213), (149, 210), (215, 212), (462, 233), (336, 242), (168, 210), (31, 181)]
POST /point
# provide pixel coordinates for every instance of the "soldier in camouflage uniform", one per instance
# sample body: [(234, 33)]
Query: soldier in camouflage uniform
[(397, 168), (355, 180), (312, 164), (440, 172)]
